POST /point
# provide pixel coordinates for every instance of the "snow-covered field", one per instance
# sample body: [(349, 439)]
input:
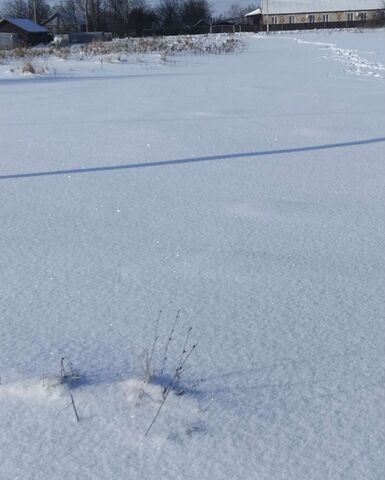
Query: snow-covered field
[(246, 190)]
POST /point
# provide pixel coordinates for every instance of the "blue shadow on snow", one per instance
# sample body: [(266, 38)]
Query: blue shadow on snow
[(182, 161)]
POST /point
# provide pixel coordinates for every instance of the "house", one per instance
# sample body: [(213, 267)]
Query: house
[(310, 14), (28, 32), (55, 24), (255, 17), (59, 23), (225, 25)]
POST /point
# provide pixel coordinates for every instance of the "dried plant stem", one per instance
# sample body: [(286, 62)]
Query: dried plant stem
[(178, 371), (73, 405), (147, 375), (184, 347), (169, 341), (187, 356), (158, 412), (63, 373), (175, 379)]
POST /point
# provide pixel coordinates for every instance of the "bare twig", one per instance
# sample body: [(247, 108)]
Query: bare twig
[(178, 371), (67, 371), (147, 375), (73, 404), (187, 356), (184, 347), (175, 379), (63, 373), (169, 341), (158, 412)]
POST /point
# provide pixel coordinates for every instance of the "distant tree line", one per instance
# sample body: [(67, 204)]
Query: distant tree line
[(37, 9), (124, 17)]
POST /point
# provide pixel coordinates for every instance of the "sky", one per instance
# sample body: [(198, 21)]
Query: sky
[(218, 6), (221, 6)]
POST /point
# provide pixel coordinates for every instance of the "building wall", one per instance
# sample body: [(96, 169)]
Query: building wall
[(26, 37), (6, 27), (8, 40), (304, 19)]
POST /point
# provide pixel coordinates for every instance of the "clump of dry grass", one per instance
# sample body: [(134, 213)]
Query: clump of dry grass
[(168, 381), (195, 44), (30, 67), (165, 46)]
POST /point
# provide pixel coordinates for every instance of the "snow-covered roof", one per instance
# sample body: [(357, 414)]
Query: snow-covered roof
[(25, 24), (309, 6), (258, 11)]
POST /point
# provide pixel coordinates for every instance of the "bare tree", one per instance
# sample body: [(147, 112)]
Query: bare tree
[(37, 10), (72, 14), (15, 9), (168, 13), (118, 10), (94, 10), (192, 11), (128, 16), (238, 13), (141, 17)]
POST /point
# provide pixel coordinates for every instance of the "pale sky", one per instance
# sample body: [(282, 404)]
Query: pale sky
[(219, 6)]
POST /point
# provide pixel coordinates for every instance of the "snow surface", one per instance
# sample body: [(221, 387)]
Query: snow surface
[(245, 189)]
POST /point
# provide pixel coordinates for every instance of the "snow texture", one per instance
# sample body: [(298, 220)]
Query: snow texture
[(245, 189)]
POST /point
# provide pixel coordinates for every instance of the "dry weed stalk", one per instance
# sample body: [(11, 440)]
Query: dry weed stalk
[(174, 382)]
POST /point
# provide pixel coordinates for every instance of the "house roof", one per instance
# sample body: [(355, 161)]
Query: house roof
[(25, 24), (258, 11), (63, 18), (54, 16), (274, 7)]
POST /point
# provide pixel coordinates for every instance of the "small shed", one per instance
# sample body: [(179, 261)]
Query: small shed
[(255, 18), (27, 31)]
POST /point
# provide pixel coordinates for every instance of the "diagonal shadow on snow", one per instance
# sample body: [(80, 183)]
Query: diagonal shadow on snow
[(181, 161), (52, 78)]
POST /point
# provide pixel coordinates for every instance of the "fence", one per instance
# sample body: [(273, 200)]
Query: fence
[(88, 37)]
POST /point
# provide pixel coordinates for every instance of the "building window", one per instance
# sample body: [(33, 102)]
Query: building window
[(311, 18), (325, 17), (291, 19), (363, 16), (350, 17), (274, 20)]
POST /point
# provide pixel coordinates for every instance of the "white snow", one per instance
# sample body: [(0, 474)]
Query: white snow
[(245, 189)]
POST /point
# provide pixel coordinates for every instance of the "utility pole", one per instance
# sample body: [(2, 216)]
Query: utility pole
[(267, 16), (32, 9), (86, 13)]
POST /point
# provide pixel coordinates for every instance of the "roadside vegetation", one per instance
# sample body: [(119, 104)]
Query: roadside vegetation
[(122, 50)]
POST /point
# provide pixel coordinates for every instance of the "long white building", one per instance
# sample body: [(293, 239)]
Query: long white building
[(294, 14)]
